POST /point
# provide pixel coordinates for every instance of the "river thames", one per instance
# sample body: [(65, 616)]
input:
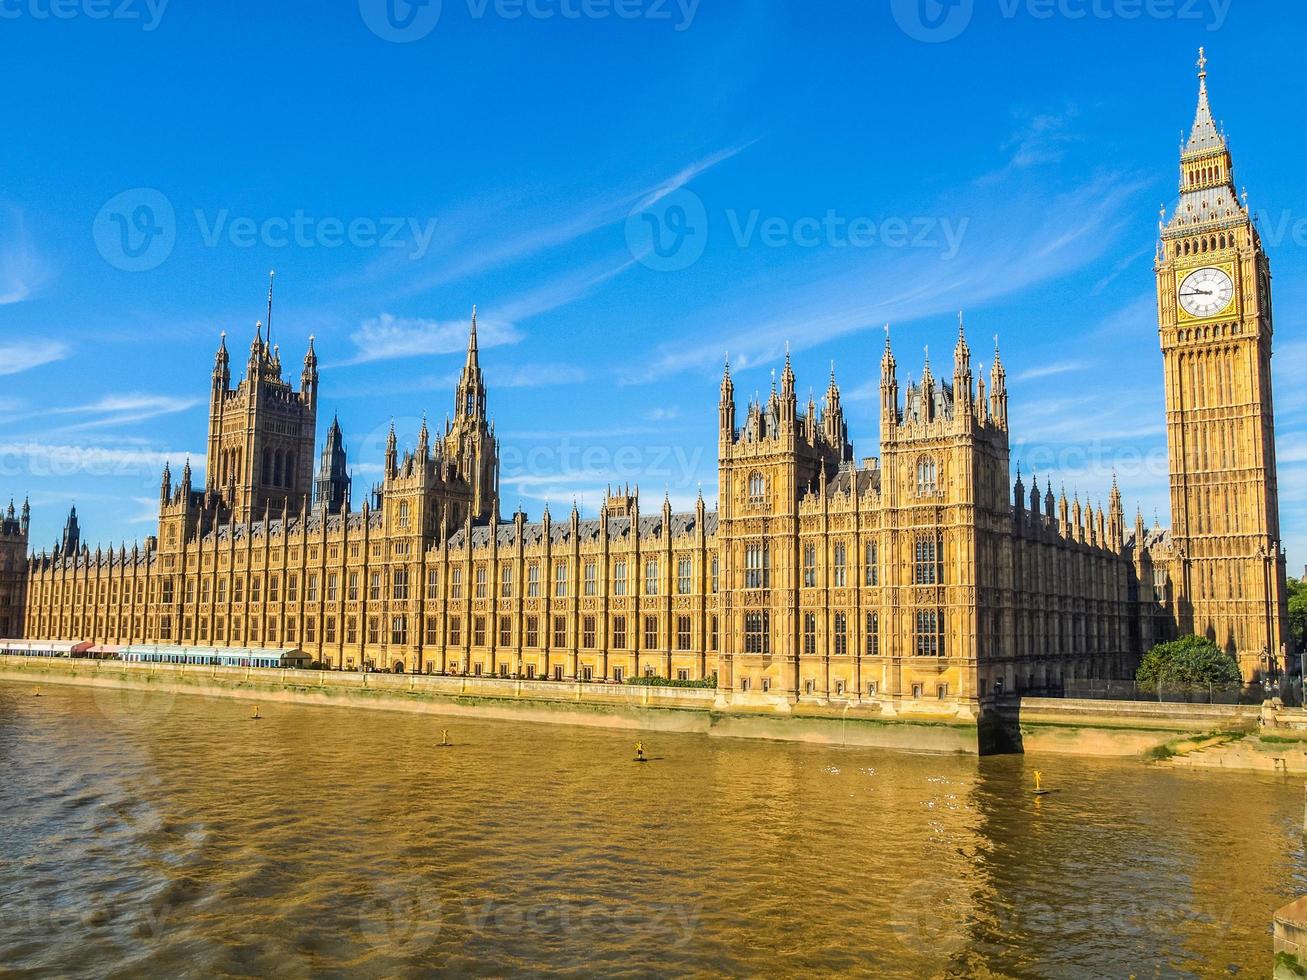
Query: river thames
[(159, 834)]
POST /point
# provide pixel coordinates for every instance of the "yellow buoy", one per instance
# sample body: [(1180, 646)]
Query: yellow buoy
[(1039, 784), (639, 752), (444, 737), (255, 716)]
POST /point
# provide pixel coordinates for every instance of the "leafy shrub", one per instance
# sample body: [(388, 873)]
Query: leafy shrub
[(1191, 661)]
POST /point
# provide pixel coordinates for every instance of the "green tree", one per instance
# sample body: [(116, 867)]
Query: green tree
[(1298, 613), (1189, 662)]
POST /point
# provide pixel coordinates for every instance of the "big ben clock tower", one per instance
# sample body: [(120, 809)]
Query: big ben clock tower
[(1214, 311)]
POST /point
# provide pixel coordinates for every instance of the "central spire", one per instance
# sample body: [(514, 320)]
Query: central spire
[(1204, 137)]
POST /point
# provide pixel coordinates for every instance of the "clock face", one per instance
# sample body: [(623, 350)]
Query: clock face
[(1206, 292)]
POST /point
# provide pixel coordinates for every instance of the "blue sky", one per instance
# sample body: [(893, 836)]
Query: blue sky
[(820, 169)]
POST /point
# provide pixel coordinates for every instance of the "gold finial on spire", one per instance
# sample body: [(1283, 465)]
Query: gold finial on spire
[(1202, 62)]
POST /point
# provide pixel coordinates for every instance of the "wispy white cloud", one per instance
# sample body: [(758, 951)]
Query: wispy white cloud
[(600, 211), (49, 459), (23, 270), (1014, 242), (1042, 137), (387, 337), (540, 375), (125, 409), (16, 358), (1051, 370)]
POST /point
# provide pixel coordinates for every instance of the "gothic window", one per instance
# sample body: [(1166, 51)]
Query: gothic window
[(403, 515), (928, 558), (683, 632), (683, 576), (505, 631), (840, 573), (481, 582), (872, 571), (927, 476), (651, 577), (560, 631), (479, 631), (533, 631), (713, 642), (873, 635), (929, 633), (809, 566), (374, 587), (456, 584), (619, 632), (533, 581), (560, 580), (809, 633), (714, 575), (506, 582), (399, 630), (757, 488), (591, 578), (433, 584), (841, 634), (588, 632), (619, 577), (267, 467), (651, 632), (757, 632), (757, 562)]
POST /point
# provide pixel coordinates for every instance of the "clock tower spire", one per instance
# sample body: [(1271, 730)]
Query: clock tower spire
[(1215, 323)]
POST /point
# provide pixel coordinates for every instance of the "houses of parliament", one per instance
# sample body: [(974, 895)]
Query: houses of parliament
[(924, 574)]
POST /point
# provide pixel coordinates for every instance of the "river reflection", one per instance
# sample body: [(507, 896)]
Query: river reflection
[(157, 834)]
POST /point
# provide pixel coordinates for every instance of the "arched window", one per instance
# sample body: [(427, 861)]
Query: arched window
[(927, 476), (757, 488), (267, 467), (403, 515)]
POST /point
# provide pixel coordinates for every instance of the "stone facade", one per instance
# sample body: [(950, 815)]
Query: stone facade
[(923, 575)]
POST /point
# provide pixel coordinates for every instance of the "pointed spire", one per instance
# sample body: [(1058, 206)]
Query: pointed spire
[(787, 375), (272, 275), (472, 350), (1204, 136)]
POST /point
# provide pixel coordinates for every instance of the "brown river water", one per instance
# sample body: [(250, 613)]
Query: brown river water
[(150, 834)]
